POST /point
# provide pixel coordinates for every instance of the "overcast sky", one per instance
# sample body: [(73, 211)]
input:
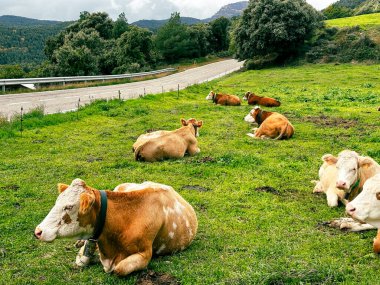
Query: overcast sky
[(65, 10)]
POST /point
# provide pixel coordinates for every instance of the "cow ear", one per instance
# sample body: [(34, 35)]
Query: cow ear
[(183, 122), (365, 161), (62, 187), (86, 201), (329, 159), (200, 124)]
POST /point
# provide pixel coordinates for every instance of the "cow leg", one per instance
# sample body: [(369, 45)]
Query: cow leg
[(193, 149), (134, 262), (350, 225), (376, 242), (332, 198), (318, 188)]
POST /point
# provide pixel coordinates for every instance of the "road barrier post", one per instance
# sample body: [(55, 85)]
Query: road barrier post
[(21, 120)]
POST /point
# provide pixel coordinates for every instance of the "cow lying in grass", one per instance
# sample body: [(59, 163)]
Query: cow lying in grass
[(272, 125), (366, 207), (258, 100), (327, 182), (169, 144), (129, 224), (224, 99), (353, 171)]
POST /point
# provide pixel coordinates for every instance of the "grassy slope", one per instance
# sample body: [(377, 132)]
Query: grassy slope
[(366, 21), (245, 236)]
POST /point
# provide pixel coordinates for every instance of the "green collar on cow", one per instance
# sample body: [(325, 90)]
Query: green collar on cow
[(101, 219), (356, 184)]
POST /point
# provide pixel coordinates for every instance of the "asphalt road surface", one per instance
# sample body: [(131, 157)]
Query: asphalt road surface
[(67, 100)]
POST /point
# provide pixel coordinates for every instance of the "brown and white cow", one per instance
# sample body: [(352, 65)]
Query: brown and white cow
[(140, 220), (353, 171), (169, 144), (366, 207), (327, 182), (272, 125), (224, 99), (254, 99)]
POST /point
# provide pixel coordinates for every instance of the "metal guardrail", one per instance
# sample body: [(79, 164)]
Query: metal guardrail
[(19, 81)]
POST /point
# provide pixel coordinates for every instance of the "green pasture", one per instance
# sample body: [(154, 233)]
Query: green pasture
[(259, 222), (365, 21)]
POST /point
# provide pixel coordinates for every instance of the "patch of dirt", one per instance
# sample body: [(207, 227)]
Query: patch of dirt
[(93, 158), (38, 141), (268, 189), (195, 187), (12, 187), (326, 121), (206, 159), (17, 205), (151, 130), (154, 278), (201, 207)]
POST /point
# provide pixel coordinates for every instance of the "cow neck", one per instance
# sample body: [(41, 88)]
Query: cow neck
[(101, 218), (259, 117), (354, 190), (214, 98)]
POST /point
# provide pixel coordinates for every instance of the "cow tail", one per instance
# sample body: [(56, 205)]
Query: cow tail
[(283, 131)]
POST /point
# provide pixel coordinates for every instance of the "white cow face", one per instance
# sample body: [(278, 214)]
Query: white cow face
[(366, 206), (250, 118), (210, 95), (348, 169), (62, 220)]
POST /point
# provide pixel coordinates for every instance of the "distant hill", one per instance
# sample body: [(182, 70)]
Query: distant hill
[(368, 7), (17, 21), (352, 4), (228, 11), (154, 25), (23, 39)]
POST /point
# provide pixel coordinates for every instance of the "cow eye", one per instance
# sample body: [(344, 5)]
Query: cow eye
[(68, 208), (378, 195), (353, 169)]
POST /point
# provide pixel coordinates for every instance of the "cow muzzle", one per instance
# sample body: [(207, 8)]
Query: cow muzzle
[(342, 185), (38, 233)]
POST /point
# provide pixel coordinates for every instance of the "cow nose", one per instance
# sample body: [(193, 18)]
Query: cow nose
[(38, 233), (341, 184), (350, 209)]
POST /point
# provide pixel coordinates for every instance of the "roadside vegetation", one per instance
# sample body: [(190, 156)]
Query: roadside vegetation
[(259, 222)]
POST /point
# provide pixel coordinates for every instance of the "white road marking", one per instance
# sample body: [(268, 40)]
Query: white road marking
[(18, 103)]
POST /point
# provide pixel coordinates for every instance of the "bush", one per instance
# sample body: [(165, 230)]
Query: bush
[(275, 26)]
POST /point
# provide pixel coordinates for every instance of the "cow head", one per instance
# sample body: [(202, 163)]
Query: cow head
[(251, 117), (73, 204), (196, 124), (366, 206), (247, 95), (210, 95), (347, 163)]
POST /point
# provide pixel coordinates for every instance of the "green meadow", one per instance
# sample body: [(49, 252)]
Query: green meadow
[(259, 222), (365, 21)]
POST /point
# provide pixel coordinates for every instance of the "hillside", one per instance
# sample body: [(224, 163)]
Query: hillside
[(365, 21), (369, 6), (349, 3), (22, 39), (228, 11), (22, 21)]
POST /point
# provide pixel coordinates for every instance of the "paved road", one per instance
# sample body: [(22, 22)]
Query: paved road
[(67, 100)]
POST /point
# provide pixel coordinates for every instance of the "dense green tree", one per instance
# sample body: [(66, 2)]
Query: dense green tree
[(275, 27), (135, 49), (199, 36), (220, 34), (172, 40), (120, 26)]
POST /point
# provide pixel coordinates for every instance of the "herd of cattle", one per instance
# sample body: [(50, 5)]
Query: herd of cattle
[(136, 221)]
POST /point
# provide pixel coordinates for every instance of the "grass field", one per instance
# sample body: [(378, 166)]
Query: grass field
[(259, 222), (365, 21)]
